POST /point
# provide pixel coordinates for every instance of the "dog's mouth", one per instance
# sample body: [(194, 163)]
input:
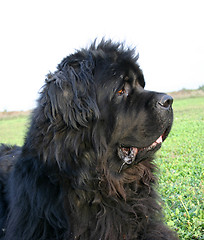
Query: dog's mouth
[(128, 155)]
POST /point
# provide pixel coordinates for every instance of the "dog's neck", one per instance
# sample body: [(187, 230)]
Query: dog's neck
[(99, 204)]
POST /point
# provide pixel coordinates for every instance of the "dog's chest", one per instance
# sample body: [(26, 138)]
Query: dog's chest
[(101, 220)]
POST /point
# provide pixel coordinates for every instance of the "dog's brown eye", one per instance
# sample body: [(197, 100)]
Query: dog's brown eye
[(125, 90), (121, 92)]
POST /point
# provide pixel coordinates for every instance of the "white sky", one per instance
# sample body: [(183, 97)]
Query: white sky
[(35, 35)]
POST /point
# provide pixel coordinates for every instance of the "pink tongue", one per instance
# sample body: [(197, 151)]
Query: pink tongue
[(135, 151), (159, 140)]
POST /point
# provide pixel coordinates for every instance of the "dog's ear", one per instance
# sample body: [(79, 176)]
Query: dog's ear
[(70, 94)]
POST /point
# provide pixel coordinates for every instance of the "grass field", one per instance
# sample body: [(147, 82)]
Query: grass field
[(13, 129), (180, 160)]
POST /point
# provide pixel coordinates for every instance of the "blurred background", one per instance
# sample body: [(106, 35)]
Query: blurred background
[(36, 35)]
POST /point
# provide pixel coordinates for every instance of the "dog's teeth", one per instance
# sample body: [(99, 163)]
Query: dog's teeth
[(128, 159), (159, 140)]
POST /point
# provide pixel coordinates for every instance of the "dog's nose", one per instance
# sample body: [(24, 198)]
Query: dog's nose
[(165, 101)]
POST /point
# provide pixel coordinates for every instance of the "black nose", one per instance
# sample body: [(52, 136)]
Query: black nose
[(165, 101)]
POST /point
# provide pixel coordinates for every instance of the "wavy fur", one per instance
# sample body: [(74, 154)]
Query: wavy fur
[(65, 183)]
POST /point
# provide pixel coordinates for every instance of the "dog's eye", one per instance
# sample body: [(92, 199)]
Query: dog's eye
[(121, 92), (125, 91)]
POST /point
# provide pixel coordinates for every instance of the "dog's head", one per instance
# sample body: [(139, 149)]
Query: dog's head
[(136, 121), (96, 102)]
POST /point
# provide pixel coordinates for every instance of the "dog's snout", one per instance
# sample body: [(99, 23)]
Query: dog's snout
[(165, 101)]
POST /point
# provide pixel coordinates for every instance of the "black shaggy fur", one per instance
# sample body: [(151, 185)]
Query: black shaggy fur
[(86, 169)]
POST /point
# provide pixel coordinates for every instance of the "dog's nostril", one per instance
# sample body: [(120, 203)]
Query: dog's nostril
[(165, 101)]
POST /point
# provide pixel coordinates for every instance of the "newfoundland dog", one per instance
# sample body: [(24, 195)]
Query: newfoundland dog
[(86, 170)]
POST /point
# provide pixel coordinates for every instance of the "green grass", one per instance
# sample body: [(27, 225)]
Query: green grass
[(12, 130), (180, 159)]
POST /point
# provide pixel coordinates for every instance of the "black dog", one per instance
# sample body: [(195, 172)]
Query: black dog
[(86, 170)]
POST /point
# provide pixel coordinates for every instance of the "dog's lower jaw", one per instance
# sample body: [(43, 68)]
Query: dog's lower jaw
[(129, 154)]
